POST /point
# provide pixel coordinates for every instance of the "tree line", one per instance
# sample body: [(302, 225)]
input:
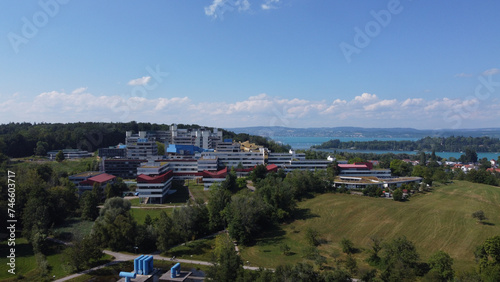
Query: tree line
[(448, 144)]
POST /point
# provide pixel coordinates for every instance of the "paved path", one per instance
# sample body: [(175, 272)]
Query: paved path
[(119, 257)]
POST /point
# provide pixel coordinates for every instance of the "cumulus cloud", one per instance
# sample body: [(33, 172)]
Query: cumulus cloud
[(366, 110), (491, 72), (140, 81)]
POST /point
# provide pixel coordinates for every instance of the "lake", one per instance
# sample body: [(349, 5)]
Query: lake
[(307, 142)]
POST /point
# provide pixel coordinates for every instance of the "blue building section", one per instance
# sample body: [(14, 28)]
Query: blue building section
[(175, 270), (184, 149), (228, 140), (143, 265)]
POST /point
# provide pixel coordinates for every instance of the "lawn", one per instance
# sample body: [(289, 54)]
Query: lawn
[(140, 214), (196, 250), (198, 191), (26, 265), (69, 166), (440, 220), (73, 228)]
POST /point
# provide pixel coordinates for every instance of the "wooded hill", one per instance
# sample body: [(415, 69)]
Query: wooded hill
[(448, 144)]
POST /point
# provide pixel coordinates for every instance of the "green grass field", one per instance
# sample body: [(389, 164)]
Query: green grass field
[(68, 166), (140, 214), (26, 262), (440, 220), (196, 250), (198, 191)]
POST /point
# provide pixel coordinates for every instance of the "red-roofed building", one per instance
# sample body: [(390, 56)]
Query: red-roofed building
[(494, 170), (210, 178), (154, 188), (102, 179), (362, 169), (272, 168)]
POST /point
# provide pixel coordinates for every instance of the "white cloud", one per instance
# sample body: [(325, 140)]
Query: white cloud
[(380, 104), (492, 71), (219, 7), (412, 102), (140, 81), (269, 4), (365, 98), (79, 90), (365, 110)]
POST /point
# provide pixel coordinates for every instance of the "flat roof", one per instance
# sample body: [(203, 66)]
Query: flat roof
[(102, 178), (347, 166)]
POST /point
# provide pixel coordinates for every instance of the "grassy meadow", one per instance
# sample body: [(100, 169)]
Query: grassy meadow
[(439, 220)]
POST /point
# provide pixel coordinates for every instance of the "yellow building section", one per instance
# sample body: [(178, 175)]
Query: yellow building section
[(249, 147)]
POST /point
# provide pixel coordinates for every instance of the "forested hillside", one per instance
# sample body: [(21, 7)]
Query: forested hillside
[(448, 144)]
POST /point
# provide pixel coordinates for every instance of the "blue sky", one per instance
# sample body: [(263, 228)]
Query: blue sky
[(236, 63)]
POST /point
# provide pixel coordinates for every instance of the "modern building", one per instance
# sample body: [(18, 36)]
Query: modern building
[(363, 169), (311, 165), (208, 163), (362, 175), (238, 159), (124, 168), (227, 146), (119, 151), (77, 178), (69, 154), (139, 146), (89, 178), (154, 188)]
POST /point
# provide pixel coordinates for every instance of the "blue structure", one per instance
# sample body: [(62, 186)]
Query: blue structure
[(175, 270), (184, 149), (143, 265), (127, 275)]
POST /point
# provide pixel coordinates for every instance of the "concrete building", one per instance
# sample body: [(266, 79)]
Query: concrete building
[(311, 165), (139, 146), (200, 137), (227, 146), (69, 154), (234, 159), (208, 163), (119, 151), (362, 175), (363, 169), (124, 168), (154, 188)]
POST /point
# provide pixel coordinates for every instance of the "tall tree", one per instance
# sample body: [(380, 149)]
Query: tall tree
[(115, 227), (218, 201), (60, 156), (227, 263), (400, 259), (441, 265), (88, 205)]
